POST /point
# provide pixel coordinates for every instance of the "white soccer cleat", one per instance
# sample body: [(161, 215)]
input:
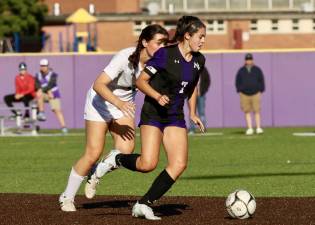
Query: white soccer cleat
[(249, 131), (259, 130), (66, 204), (107, 164), (90, 186), (142, 210)]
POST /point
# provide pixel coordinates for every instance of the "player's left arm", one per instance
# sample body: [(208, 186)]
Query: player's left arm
[(192, 98), (192, 102)]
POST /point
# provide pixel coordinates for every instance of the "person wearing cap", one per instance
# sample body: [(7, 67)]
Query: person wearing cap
[(250, 84), (24, 90), (47, 90)]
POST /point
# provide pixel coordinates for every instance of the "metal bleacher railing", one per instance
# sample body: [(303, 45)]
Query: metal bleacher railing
[(18, 124)]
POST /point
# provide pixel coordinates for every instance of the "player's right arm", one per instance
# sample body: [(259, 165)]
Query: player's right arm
[(157, 62), (100, 87), (143, 84)]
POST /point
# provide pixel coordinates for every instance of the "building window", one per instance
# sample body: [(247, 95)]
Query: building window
[(91, 8), (253, 25), (56, 9), (298, 4), (259, 4), (177, 5), (238, 4), (216, 5), (274, 25), (280, 4), (295, 24), (216, 26), (196, 5), (138, 26)]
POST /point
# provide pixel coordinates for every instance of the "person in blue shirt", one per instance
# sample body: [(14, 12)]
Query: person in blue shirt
[(250, 85)]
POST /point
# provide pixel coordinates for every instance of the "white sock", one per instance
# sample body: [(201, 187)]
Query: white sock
[(74, 183)]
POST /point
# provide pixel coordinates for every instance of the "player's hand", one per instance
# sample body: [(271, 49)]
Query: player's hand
[(163, 100), (50, 95), (198, 122), (128, 108), (18, 96)]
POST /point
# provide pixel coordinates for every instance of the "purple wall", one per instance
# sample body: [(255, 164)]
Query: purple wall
[(289, 99)]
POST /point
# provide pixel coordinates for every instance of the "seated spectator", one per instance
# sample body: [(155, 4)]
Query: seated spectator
[(24, 90), (47, 91)]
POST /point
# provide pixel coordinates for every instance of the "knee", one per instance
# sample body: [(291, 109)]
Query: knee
[(179, 166), (6, 98), (147, 166), (39, 94), (92, 155)]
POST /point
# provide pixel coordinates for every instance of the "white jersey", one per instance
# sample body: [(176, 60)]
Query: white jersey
[(123, 77)]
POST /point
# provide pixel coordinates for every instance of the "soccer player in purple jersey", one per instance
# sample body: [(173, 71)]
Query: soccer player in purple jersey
[(109, 107), (168, 78)]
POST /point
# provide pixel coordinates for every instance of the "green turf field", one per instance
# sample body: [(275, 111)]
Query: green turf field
[(273, 164)]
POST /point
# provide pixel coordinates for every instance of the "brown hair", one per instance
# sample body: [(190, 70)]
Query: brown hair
[(146, 34), (187, 24)]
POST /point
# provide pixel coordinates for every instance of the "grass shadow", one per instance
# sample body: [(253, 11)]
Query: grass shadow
[(108, 204), (170, 209), (237, 176)]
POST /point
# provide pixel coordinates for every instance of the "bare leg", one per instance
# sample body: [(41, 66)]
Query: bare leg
[(40, 101), (258, 120), (151, 138), (123, 133), (176, 147), (60, 117), (95, 141), (248, 118)]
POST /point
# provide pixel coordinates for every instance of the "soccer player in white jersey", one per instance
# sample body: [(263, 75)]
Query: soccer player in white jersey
[(109, 107)]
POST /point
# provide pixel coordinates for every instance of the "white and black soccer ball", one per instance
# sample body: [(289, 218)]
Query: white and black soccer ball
[(240, 204)]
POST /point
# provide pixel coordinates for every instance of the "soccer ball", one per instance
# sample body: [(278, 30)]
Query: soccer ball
[(240, 204)]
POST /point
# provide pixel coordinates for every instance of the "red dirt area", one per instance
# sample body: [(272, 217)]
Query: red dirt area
[(34, 209)]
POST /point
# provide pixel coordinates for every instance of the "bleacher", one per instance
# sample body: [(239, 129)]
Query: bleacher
[(10, 125)]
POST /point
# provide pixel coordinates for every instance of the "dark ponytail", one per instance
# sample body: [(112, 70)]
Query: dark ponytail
[(146, 34), (187, 24)]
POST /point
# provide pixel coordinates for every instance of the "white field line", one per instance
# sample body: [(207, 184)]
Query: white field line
[(77, 134), (304, 134)]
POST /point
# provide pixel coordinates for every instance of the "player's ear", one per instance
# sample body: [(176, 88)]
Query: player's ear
[(144, 43), (187, 36)]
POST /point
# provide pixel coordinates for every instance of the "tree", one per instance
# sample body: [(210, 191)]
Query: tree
[(25, 17)]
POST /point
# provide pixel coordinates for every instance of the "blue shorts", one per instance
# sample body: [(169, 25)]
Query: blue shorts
[(162, 126)]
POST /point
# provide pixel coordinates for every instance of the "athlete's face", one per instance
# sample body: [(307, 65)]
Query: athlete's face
[(196, 40), (158, 41)]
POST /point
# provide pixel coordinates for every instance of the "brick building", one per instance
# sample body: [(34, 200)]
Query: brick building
[(231, 24)]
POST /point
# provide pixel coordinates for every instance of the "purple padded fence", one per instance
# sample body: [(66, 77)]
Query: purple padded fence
[(289, 99)]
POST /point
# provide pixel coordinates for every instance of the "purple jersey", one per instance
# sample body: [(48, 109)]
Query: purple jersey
[(48, 82), (173, 76)]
